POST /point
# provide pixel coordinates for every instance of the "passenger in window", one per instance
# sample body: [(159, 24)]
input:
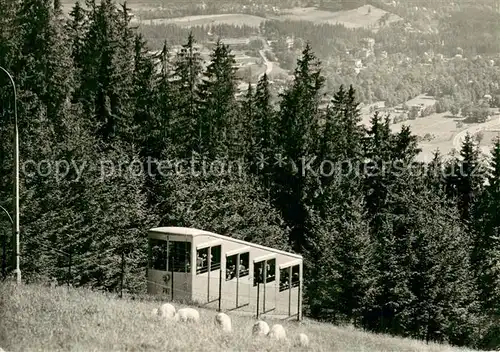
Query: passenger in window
[(242, 266)]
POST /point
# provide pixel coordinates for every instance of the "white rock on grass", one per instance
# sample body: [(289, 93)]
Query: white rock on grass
[(223, 321), (303, 340), (187, 315), (167, 311), (260, 328), (277, 332)]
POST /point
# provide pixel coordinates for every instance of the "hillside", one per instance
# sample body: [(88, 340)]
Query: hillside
[(39, 318), (229, 19), (362, 17), (117, 137)]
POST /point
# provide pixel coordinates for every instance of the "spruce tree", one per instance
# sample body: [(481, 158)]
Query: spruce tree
[(43, 74), (94, 215), (339, 270), (9, 48), (339, 278), (107, 71), (218, 106), (8, 31), (162, 135), (144, 99), (377, 146), (248, 128), (423, 277), (297, 122), (76, 27), (435, 173), (45, 67), (233, 204), (466, 179), (487, 237), (187, 126), (265, 135)]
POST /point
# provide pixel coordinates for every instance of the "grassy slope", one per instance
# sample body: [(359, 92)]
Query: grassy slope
[(38, 318), (356, 18), (235, 19)]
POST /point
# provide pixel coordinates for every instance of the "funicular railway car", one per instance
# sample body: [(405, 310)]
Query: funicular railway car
[(188, 264)]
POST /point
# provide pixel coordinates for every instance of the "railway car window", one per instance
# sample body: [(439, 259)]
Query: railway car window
[(284, 279), (179, 256), (295, 275), (244, 264), (202, 260), (270, 270), (215, 258), (158, 250), (231, 267), (258, 273)]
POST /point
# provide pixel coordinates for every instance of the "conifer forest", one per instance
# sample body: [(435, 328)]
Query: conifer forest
[(116, 139)]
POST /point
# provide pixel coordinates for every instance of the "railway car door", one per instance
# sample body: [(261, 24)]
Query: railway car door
[(265, 280), (238, 280), (214, 273), (258, 282), (244, 284), (270, 286), (294, 290)]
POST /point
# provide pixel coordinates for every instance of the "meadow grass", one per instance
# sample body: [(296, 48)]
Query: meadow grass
[(40, 318)]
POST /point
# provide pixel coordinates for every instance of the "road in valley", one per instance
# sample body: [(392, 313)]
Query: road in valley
[(269, 65), (459, 137)]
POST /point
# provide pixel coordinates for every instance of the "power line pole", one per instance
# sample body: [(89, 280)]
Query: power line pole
[(16, 180)]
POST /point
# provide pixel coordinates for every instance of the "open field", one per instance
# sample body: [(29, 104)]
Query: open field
[(39, 318), (442, 127), (447, 135), (423, 99), (490, 132), (135, 6), (490, 136), (356, 18), (235, 19), (365, 112)]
